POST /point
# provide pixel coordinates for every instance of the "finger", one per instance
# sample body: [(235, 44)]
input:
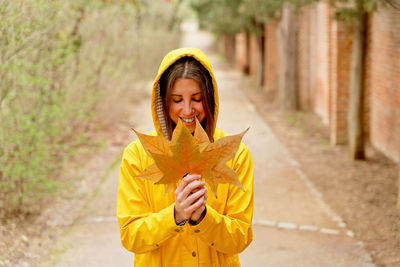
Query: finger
[(196, 189), (181, 198), (188, 179), (194, 206), (193, 185), (181, 207), (197, 213), (193, 197)]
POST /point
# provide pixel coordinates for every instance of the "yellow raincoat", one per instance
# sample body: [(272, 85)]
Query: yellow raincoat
[(146, 214)]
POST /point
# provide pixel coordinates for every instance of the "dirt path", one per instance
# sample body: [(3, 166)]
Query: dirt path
[(292, 224)]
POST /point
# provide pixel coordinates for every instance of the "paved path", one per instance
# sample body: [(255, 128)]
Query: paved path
[(292, 224)]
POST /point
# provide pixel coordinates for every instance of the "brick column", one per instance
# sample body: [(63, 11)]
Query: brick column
[(304, 59), (271, 57), (341, 40), (254, 55), (241, 51)]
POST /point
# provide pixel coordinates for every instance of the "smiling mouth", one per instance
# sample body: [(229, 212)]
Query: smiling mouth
[(188, 120)]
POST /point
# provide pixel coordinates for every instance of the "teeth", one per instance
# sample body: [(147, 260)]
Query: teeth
[(188, 120)]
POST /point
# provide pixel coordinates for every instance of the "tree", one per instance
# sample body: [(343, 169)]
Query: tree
[(263, 11), (255, 26), (221, 17), (356, 106), (355, 12), (288, 59)]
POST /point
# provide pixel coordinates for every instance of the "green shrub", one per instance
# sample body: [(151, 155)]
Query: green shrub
[(63, 64)]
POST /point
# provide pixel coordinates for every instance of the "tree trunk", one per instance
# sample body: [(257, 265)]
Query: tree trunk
[(247, 62), (398, 186), (356, 106), (233, 50), (287, 36), (260, 47)]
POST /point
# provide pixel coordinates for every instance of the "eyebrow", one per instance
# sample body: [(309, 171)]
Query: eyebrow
[(181, 95)]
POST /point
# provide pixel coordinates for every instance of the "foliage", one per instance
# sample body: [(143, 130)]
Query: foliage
[(232, 17), (60, 63), (346, 10), (190, 154), (264, 10), (220, 16)]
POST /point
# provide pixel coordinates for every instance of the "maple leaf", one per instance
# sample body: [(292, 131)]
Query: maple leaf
[(187, 153), (154, 144)]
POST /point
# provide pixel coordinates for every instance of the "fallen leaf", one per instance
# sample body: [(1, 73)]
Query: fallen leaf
[(187, 153)]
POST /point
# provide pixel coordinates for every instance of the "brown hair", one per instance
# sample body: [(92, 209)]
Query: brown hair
[(189, 68)]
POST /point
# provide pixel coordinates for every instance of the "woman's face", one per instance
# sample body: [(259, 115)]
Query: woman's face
[(186, 103)]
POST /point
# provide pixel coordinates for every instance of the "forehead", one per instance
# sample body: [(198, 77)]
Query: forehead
[(184, 86)]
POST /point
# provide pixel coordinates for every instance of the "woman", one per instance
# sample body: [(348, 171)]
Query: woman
[(186, 226)]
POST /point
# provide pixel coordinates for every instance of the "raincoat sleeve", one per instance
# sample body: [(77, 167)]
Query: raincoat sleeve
[(231, 232), (141, 229)]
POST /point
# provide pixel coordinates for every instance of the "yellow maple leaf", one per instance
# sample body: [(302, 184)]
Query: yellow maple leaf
[(187, 153)]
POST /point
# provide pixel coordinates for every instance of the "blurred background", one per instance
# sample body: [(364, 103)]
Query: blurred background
[(70, 71)]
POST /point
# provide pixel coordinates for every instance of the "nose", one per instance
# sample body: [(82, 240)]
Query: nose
[(187, 108)]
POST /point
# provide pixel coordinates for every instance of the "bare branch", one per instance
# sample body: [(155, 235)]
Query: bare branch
[(26, 43)]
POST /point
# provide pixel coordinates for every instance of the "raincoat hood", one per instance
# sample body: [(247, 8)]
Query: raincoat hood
[(156, 101)]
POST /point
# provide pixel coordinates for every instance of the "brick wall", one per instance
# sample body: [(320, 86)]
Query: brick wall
[(383, 70), (324, 75), (314, 61), (324, 61)]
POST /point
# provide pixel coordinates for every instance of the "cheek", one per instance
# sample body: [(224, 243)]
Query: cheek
[(200, 107), (173, 109), (200, 110)]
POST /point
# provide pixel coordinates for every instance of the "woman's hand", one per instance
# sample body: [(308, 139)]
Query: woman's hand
[(190, 198), (198, 215)]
